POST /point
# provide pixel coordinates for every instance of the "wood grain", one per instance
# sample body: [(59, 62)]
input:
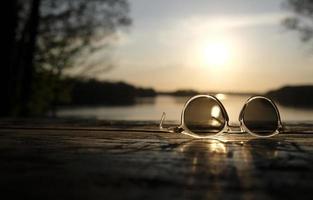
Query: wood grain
[(128, 160)]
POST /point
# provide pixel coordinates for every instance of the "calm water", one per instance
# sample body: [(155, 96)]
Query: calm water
[(152, 108)]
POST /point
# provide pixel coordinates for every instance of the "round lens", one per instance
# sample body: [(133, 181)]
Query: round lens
[(260, 117), (204, 116)]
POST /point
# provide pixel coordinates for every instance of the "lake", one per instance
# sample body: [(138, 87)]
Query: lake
[(147, 109)]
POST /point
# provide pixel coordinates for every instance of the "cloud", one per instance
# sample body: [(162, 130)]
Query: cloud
[(232, 21)]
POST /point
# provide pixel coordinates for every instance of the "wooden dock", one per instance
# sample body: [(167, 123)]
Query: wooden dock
[(133, 160)]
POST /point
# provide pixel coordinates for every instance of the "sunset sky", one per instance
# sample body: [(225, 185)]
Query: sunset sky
[(210, 45)]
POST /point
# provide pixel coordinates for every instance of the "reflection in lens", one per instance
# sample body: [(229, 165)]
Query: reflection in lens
[(260, 117), (204, 116)]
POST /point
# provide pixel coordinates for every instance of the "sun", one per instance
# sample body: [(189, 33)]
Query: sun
[(216, 54)]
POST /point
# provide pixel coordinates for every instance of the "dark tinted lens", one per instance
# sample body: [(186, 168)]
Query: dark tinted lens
[(260, 117), (204, 116)]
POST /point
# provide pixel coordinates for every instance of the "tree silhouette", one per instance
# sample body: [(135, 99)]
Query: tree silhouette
[(47, 36), (302, 20)]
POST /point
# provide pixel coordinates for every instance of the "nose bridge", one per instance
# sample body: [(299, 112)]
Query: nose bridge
[(234, 125), (234, 109), (234, 128)]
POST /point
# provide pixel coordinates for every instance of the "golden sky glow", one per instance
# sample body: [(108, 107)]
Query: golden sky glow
[(210, 45)]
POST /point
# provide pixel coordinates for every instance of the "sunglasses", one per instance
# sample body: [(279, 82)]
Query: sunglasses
[(204, 116)]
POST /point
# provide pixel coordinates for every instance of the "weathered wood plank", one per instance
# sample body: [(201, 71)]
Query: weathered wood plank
[(117, 162)]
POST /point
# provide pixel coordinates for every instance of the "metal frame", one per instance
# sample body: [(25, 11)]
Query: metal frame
[(182, 128)]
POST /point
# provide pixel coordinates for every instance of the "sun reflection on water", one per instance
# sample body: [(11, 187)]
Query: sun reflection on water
[(221, 96)]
